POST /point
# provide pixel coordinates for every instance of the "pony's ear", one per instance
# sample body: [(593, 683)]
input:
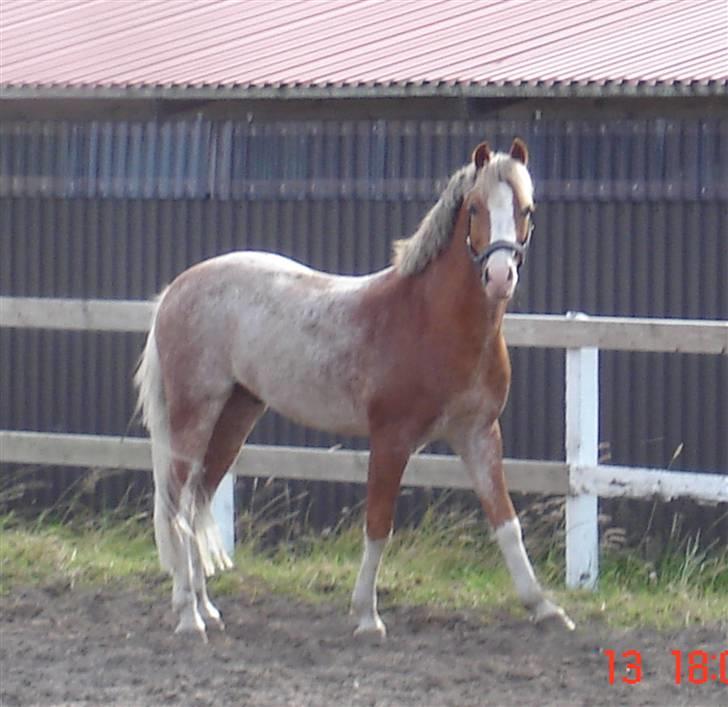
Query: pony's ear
[(519, 151), (481, 155)]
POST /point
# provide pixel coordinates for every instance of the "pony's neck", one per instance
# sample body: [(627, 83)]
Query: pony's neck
[(453, 285)]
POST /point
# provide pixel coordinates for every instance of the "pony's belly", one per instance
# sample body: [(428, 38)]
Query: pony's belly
[(311, 383), (334, 413)]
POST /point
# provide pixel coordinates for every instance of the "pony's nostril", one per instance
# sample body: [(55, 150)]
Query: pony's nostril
[(486, 276), (510, 274)]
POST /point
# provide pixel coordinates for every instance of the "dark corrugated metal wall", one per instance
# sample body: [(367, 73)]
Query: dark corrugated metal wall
[(621, 160), (631, 220)]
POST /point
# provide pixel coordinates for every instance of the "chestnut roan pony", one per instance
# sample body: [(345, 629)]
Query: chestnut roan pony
[(405, 356)]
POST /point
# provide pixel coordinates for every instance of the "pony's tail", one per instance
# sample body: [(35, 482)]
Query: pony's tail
[(180, 514), (153, 406)]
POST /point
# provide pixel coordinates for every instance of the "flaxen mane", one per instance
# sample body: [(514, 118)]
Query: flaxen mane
[(413, 254)]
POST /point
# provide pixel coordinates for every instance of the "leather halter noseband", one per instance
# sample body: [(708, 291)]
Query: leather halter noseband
[(519, 250)]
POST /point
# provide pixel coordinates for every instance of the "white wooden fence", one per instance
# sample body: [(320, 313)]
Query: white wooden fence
[(580, 478)]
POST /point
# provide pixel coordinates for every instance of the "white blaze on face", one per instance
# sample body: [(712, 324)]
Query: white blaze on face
[(502, 273)]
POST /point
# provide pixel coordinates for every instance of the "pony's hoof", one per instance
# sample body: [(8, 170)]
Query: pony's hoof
[(192, 625), (217, 623), (212, 617), (371, 628), (194, 632), (548, 612)]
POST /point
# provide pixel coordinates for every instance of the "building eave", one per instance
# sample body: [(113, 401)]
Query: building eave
[(609, 89)]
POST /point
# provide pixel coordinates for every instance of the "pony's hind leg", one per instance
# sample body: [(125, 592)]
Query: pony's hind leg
[(238, 417), (191, 424)]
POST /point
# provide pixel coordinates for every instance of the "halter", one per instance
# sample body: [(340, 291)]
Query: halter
[(519, 250)]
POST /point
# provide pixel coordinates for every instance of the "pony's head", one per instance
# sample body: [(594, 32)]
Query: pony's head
[(499, 208), (496, 193)]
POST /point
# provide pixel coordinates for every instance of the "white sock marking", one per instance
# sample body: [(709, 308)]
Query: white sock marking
[(510, 541), (364, 597)]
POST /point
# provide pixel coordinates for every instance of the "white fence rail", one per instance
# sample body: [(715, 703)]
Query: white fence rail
[(581, 479), (531, 330)]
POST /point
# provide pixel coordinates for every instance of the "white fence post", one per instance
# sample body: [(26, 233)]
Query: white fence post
[(223, 510), (582, 443)]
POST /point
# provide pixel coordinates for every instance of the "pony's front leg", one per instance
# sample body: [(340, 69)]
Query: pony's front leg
[(386, 465), (482, 453)]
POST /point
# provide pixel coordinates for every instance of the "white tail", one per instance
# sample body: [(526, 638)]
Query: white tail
[(182, 516), (148, 379)]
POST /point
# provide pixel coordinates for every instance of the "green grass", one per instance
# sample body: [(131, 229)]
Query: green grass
[(448, 562), (442, 563), (90, 553)]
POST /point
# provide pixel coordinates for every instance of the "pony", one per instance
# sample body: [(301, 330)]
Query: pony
[(404, 356)]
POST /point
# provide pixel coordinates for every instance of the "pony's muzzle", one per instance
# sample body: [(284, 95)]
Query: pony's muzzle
[(500, 275), (487, 277)]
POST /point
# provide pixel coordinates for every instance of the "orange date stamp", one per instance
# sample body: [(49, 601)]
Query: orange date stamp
[(694, 667)]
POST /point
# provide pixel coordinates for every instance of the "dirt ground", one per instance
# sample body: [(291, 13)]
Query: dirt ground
[(60, 646)]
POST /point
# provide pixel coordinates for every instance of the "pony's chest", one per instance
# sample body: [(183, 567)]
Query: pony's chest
[(475, 407)]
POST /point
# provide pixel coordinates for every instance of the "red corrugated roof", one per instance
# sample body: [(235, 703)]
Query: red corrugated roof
[(308, 44)]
